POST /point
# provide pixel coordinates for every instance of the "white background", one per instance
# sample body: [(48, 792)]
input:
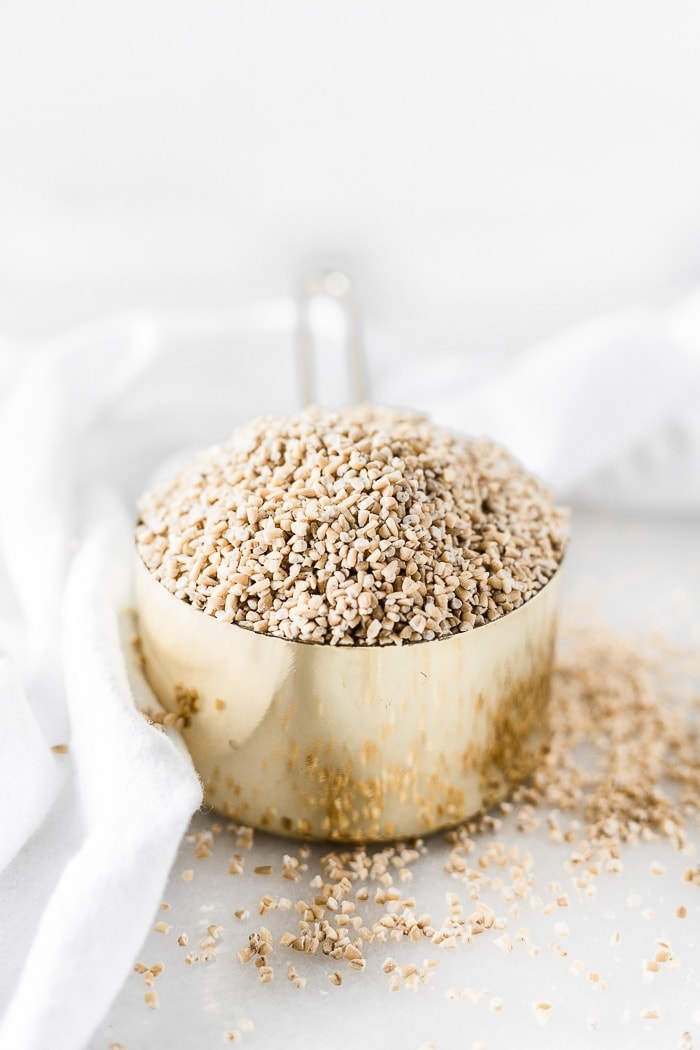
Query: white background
[(487, 171)]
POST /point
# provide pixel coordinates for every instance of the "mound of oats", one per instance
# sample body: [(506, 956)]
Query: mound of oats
[(366, 526)]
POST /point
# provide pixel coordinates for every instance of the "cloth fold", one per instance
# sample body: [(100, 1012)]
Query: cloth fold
[(608, 412), (30, 776), (137, 790)]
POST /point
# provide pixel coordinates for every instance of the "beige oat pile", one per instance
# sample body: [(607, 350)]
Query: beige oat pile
[(624, 753), (366, 526)]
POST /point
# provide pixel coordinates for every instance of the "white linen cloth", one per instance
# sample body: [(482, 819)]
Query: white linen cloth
[(608, 412)]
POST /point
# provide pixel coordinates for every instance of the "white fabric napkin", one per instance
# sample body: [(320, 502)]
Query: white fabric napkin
[(608, 412)]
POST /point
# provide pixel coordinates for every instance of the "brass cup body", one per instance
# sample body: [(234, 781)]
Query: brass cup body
[(352, 744)]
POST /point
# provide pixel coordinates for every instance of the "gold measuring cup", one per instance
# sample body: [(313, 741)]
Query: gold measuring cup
[(351, 743)]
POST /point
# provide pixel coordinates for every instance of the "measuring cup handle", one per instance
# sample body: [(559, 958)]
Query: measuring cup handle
[(335, 285)]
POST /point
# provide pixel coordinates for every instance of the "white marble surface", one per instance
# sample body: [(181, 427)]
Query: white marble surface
[(635, 573)]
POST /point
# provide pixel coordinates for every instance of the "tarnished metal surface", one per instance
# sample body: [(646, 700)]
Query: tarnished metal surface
[(352, 743)]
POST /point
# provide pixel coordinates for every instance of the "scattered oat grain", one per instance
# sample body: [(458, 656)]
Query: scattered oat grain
[(543, 1012)]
